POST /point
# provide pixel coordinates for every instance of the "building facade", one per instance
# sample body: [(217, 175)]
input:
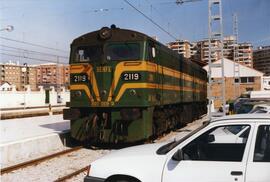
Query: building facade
[(34, 75), (228, 47), (182, 47), (245, 54), (52, 74), (261, 58), (18, 75), (250, 80), (199, 51), (11, 73), (266, 83)]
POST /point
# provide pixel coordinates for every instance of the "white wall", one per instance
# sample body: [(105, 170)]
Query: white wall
[(244, 71), (16, 99), (266, 83)]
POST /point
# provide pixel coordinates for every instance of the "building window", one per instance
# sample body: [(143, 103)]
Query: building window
[(249, 89), (245, 80)]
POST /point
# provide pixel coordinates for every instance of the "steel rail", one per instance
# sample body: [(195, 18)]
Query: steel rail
[(38, 160), (75, 173)]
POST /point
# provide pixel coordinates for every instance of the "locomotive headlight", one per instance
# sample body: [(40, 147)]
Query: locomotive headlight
[(133, 92), (105, 33), (77, 93)]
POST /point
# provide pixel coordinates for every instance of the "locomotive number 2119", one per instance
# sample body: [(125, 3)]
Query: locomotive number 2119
[(131, 76)]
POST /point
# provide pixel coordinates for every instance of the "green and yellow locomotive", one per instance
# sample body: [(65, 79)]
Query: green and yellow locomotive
[(127, 87)]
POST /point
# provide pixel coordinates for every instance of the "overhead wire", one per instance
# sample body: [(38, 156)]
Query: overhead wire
[(31, 51), (177, 2), (150, 19), (26, 54), (33, 44), (162, 16), (36, 59)]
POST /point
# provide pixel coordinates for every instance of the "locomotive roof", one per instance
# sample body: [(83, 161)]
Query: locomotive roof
[(117, 34)]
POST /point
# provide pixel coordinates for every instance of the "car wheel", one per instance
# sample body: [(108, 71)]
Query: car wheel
[(123, 179)]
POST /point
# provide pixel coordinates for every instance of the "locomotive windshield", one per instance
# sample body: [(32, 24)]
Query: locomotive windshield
[(88, 54), (123, 51)]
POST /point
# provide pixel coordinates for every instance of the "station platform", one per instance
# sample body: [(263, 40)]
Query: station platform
[(30, 112), (25, 138)]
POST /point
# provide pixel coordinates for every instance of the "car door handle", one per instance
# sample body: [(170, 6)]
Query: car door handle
[(236, 173)]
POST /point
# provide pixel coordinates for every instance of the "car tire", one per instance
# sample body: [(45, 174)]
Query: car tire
[(122, 179)]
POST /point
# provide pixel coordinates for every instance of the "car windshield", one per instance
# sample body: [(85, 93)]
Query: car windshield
[(122, 51), (88, 53), (256, 109), (260, 111), (245, 108), (234, 129), (169, 146)]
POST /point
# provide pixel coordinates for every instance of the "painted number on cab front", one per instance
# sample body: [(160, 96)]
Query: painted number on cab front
[(79, 78), (131, 76)]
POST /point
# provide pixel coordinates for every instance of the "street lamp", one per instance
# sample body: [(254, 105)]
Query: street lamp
[(8, 28), (24, 70)]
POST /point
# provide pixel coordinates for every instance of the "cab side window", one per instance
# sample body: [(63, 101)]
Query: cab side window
[(262, 146), (150, 55), (222, 143)]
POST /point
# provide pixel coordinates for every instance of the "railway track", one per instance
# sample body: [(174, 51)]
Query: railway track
[(75, 173), (38, 160)]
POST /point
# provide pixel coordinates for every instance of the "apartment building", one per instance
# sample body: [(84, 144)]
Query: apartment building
[(199, 51), (261, 59), (16, 75), (182, 47), (203, 51), (52, 74), (229, 46), (34, 75), (31, 77), (245, 54), (11, 73)]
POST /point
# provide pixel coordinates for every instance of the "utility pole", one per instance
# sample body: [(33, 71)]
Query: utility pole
[(58, 83), (215, 32), (24, 70), (58, 78), (236, 66)]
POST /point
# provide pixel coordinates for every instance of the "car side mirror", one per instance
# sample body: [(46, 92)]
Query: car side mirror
[(211, 138), (153, 52), (178, 155)]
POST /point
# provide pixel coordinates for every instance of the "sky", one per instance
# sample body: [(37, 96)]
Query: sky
[(54, 24)]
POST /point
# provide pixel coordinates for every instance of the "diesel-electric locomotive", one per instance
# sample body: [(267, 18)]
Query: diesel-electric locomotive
[(126, 87)]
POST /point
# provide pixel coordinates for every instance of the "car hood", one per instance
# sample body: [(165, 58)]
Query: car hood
[(138, 151), (141, 161)]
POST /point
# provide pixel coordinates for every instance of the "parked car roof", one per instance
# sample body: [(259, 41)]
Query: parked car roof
[(248, 117)]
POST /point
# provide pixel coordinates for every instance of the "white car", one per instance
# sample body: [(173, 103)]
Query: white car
[(194, 158), (261, 109)]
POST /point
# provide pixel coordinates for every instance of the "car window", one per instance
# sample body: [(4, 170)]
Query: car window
[(262, 146), (234, 129), (256, 109), (218, 145), (260, 111), (245, 108)]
